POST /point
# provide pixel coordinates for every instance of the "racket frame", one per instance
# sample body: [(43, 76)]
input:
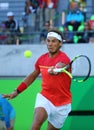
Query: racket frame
[(64, 69)]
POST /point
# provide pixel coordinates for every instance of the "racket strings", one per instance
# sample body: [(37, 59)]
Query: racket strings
[(81, 68)]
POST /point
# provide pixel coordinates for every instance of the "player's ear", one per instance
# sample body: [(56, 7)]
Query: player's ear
[(60, 44)]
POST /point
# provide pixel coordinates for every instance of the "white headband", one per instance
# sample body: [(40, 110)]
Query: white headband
[(54, 34)]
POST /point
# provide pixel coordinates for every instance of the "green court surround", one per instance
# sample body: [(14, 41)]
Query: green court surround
[(83, 99)]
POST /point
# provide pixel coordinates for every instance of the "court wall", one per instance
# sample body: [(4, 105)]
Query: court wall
[(13, 62)]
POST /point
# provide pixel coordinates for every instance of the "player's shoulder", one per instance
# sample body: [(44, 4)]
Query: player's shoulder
[(64, 56), (44, 55)]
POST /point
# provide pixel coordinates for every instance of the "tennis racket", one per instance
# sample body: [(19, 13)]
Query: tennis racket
[(81, 67)]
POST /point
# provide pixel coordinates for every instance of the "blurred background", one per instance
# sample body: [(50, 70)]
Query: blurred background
[(23, 26)]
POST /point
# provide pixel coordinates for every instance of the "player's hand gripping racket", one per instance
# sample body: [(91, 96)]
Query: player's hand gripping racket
[(81, 66)]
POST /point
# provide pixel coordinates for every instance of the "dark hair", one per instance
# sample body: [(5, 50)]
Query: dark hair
[(57, 31), (47, 22)]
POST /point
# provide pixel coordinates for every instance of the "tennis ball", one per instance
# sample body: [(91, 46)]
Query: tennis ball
[(27, 54)]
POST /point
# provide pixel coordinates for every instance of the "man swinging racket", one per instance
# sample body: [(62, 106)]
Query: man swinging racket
[(53, 103)]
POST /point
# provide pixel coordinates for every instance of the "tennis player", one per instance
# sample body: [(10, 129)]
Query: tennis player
[(7, 114), (53, 103)]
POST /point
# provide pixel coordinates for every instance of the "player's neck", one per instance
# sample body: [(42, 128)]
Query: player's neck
[(53, 54)]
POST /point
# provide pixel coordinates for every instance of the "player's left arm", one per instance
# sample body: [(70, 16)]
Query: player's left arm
[(24, 85)]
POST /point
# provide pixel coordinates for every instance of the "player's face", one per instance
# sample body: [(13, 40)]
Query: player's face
[(53, 45)]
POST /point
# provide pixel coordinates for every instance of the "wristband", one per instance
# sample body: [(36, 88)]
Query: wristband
[(21, 87)]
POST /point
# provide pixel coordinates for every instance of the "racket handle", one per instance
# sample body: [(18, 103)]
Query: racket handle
[(57, 70)]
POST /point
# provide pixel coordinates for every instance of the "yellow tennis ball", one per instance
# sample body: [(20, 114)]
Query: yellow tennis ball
[(27, 54)]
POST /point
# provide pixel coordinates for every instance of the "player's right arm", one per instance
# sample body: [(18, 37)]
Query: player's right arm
[(24, 85)]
